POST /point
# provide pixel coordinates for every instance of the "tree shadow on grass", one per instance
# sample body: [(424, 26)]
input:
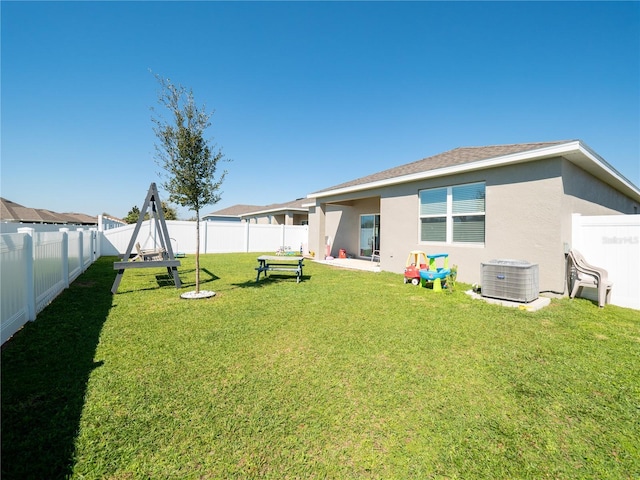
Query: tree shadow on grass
[(165, 279), (45, 371), (206, 276)]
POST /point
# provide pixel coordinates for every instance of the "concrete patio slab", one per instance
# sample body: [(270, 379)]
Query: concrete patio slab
[(353, 263)]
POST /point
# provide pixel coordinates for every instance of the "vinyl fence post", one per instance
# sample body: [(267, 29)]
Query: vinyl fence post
[(65, 256), (93, 235), (29, 287), (81, 248), (99, 236), (247, 226), (206, 236)]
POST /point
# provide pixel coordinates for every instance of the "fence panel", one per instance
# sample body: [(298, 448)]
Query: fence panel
[(613, 243), (88, 248), (36, 267), (264, 238), (114, 242), (75, 264), (224, 237), (47, 267), (13, 227), (14, 255), (297, 237), (215, 237)]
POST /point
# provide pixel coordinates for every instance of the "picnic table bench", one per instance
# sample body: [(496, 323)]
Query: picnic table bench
[(280, 263)]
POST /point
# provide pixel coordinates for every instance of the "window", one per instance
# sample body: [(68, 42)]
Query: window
[(453, 214)]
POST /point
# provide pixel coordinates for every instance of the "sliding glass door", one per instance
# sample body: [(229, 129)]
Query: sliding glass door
[(369, 234)]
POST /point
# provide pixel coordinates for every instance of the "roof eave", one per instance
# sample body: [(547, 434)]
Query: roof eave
[(274, 210), (575, 151), (593, 163)]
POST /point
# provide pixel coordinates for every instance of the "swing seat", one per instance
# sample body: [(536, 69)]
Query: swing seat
[(147, 255)]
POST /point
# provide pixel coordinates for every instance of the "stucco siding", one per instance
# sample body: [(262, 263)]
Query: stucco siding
[(398, 227), (528, 214), (400, 220), (339, 228), (528, 217), (347, 233), (316, 228), (523, 220), (587, 195)]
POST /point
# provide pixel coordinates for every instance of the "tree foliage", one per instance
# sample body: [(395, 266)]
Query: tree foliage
[(169, 212), (133, 215), (188, 159), (186, 156)]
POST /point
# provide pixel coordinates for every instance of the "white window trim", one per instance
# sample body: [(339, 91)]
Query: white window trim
[(449, 216)]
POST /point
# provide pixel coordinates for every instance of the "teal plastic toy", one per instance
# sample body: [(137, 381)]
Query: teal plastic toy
[(435, 274)]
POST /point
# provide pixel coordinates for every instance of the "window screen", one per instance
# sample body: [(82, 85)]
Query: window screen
[(453, 214)]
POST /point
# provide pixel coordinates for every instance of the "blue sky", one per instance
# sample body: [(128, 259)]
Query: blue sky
[(306, 94)]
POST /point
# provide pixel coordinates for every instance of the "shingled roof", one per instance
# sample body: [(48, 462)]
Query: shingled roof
[(292, 205), (451, 158), (14, 212), (243, 210), (236, 210)]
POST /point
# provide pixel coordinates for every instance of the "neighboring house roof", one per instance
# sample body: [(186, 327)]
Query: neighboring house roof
[(250, 210), (475, 158), (295, 205), (112, 218), (234, 211), (14, 212)]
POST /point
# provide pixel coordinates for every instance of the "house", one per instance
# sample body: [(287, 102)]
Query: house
[(475, 203), (108, 222), (16, 213), (230, 214), (289, 213)]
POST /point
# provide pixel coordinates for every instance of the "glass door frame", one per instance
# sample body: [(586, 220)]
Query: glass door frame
[(369, 241)]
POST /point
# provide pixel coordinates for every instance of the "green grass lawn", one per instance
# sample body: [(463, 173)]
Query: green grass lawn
[(346, 375)]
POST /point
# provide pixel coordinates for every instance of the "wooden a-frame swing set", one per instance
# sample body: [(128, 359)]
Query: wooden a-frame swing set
[(161, 256)]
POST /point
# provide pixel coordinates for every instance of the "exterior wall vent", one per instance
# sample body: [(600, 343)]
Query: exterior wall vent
[(515, 280)]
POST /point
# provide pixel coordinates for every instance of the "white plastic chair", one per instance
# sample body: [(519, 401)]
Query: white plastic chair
[(589, 276)]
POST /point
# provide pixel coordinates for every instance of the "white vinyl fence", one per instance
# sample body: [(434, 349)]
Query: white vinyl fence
[(36, 267), (37, 264), (613, 243), (215, 237)]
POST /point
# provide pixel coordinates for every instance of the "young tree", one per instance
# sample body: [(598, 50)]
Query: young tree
[(133, 215), (188, 159), (169, 212)]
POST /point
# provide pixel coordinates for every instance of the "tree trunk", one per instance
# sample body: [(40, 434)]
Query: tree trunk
[(197, 251)]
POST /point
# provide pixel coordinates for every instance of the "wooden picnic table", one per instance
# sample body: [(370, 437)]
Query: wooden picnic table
[(280, 263)]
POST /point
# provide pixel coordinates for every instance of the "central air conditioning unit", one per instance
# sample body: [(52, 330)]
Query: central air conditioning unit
[(515, 280)]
